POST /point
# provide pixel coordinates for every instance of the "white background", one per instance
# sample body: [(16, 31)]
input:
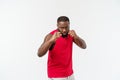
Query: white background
[(24, 24)]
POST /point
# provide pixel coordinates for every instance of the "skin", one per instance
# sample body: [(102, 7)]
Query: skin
[(50, 39)]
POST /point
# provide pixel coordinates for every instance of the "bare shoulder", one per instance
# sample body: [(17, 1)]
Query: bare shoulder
[(47, 37)]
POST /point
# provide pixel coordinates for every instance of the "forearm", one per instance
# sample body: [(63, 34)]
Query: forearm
[(44, 48), (80, 42)]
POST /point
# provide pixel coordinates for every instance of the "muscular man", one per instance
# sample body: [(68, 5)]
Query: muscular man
[(59, 43)]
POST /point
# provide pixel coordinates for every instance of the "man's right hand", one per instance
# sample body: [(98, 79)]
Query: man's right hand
[(55, 36)]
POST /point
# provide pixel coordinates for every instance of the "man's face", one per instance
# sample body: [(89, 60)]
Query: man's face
[(63, 27)]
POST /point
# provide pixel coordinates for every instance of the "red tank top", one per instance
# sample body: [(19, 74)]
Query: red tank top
[(60, 57)]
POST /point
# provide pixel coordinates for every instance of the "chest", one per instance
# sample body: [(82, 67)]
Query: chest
[(63, 43)]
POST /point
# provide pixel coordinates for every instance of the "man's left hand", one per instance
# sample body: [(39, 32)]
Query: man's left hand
[(72, 33)]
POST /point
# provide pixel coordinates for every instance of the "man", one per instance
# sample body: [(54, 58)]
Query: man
[(59, 43)]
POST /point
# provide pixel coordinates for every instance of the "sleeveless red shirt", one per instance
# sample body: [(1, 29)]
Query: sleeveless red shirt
[(60, 57)]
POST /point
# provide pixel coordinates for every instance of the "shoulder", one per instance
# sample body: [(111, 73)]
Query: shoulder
[(49, 35), (52, 32)]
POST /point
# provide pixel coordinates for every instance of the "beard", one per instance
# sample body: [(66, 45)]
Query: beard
[(64, 35)]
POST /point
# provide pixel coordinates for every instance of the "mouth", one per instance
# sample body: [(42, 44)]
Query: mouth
[(64, 35)]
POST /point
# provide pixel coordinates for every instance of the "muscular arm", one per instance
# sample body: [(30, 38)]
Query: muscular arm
[(45, 46), (48, 42), (77, 40), (80, 42)]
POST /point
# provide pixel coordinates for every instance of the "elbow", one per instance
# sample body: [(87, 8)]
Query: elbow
[(84, 47), (39, 54)]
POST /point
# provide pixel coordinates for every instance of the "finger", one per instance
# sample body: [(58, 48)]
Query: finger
[(59, 34), (69, 32), (71, 35)]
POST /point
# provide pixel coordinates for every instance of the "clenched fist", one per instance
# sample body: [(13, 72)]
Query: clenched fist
[(72, 33), (55, 36)]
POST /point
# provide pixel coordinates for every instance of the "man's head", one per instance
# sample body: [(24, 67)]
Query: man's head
[(63, 24)]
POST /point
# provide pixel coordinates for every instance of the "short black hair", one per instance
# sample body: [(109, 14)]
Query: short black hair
[(63, 18)]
